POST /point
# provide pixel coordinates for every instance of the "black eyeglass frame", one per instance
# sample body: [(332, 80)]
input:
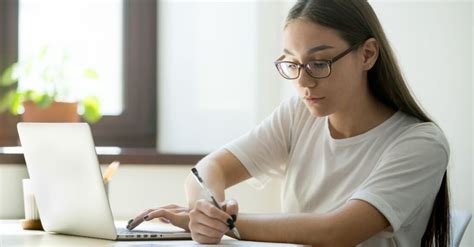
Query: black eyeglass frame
[(306, 65)]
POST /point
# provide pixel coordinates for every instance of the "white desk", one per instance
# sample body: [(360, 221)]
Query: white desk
[(12, 235)]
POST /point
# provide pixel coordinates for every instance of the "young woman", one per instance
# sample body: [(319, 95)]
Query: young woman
[(362, 164)]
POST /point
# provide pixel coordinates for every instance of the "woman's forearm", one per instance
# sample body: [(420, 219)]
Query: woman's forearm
[(212, 175), (352, 223), (220, 170), (310, 229)]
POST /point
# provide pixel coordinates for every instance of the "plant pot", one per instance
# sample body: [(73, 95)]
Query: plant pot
[(56, 112)]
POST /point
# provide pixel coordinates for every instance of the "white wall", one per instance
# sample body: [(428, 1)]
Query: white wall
[(472, 109), (471, 228), (11, 193), (216, 70)]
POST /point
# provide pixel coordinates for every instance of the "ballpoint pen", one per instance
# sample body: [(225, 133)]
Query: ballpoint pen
[(201, 183)]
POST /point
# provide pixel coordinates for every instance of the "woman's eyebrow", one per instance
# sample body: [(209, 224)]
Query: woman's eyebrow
[(280, 58), (312, 50), (318, 48)]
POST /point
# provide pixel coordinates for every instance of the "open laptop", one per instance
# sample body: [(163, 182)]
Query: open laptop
[(68, 186)]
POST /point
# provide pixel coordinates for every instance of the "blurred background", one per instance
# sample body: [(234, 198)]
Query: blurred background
[(183, 78)]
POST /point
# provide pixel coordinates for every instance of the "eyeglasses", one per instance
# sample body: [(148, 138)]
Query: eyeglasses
[(317, 69)]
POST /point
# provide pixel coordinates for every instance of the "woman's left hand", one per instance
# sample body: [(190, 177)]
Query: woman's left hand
[(174, 214)]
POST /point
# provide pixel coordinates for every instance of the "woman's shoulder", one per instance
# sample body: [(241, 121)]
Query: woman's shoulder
[(412, 132), (415, 127)]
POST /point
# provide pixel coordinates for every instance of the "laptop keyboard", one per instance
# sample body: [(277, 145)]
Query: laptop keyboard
[(124, 232)]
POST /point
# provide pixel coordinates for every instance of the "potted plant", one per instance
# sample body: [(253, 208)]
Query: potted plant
[(48, 91)]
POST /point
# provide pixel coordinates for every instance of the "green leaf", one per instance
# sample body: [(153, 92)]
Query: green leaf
[(31, 95), (44, 100), (8, 101), (92, 112), (5, 101), (91, 74), (16, 102), (10, 76)]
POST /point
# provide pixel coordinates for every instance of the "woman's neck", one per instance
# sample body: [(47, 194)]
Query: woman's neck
[(359, 118)]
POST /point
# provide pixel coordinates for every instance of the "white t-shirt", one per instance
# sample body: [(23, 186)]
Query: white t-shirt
[(397, 167)]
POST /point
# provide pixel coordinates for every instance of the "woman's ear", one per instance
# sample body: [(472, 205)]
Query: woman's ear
[(370, 53)]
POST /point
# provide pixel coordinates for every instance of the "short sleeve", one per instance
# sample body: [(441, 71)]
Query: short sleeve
[(408, 174), (264, 150)]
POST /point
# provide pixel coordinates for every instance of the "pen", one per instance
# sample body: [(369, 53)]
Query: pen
[(201, 183)]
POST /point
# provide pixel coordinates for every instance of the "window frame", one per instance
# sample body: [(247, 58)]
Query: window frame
[(8, 54)]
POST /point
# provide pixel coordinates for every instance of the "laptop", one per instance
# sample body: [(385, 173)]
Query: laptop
[(68, 186)]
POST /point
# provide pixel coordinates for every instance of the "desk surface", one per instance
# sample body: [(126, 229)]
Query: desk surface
[(12, 235)]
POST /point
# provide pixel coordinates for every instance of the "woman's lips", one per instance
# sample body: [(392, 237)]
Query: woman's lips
[(314, 100)]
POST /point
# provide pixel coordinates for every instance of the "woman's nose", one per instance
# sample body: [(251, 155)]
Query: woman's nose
[(304, 80)]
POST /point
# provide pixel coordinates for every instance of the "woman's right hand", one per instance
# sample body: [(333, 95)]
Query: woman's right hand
[(208, 224), (174, 214)]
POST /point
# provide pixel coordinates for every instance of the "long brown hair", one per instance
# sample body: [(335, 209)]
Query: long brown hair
[(355, 21)]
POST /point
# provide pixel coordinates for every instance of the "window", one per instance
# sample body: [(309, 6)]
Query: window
[(94, 41), (127, 30)]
